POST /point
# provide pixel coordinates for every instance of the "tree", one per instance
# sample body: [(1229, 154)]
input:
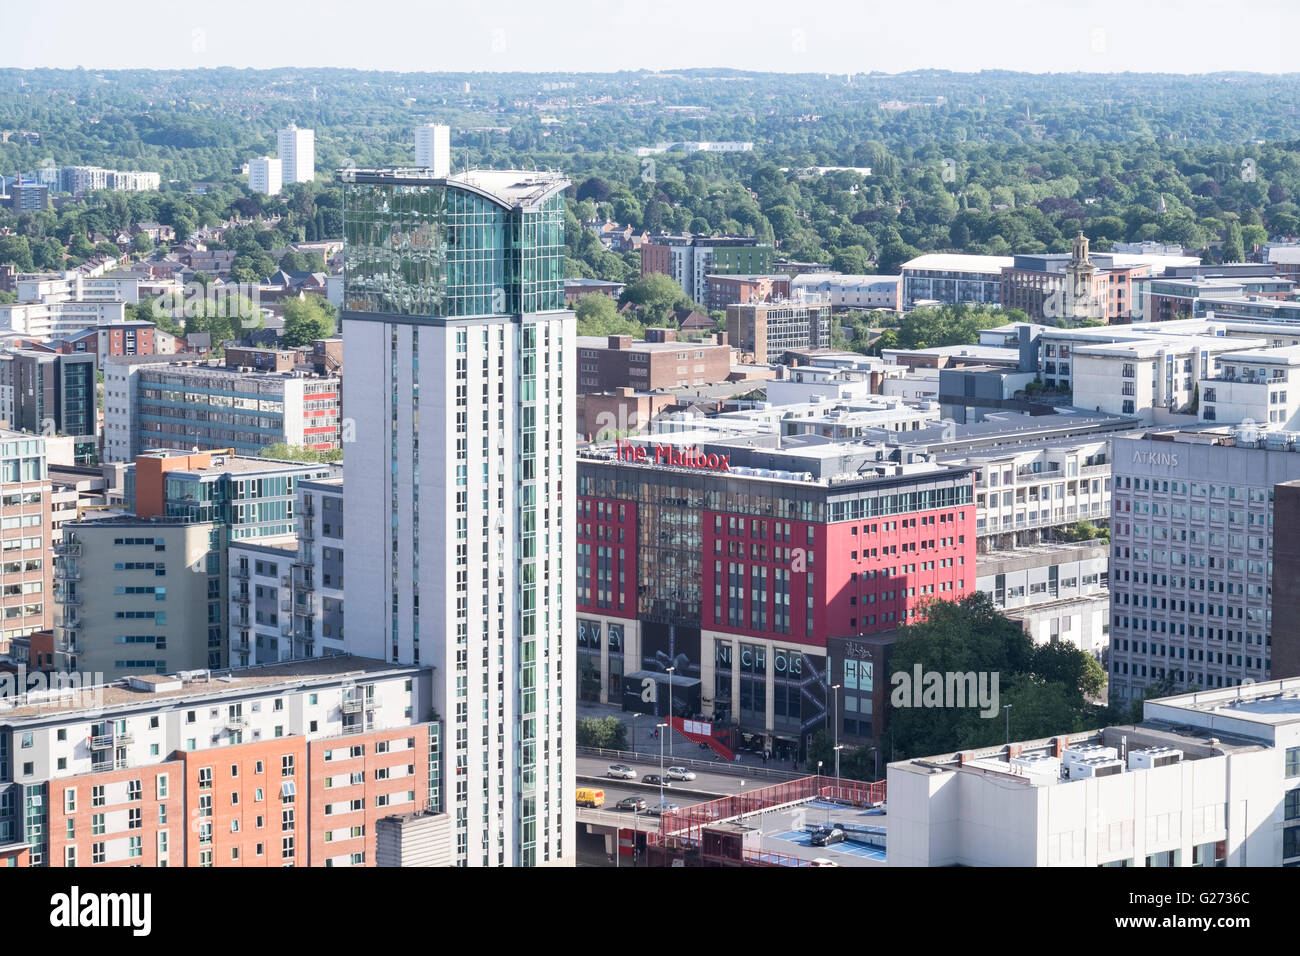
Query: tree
[(1233, 248), (142, 243), (282, 451), (656, 295), (597, 315), (606, 733), (851, 260), (16, 251), (306, 319)]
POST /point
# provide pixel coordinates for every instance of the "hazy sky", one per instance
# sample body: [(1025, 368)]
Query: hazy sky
[(837, 36)]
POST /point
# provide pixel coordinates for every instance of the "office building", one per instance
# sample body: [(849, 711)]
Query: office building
[(265, 175), (763, 331), (460, 484), (52, 394), (1206, 779), (734, 559), (284, 765), (297, 155), (29, 197), (185, 405), (1191, 557), (433, 148), (725, 290), (619, 361)]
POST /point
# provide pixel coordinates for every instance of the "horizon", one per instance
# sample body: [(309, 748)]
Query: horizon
[(1100, 37)]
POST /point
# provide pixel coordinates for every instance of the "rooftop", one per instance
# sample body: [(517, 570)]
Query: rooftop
[(956, 262), (510, 188), (147, 690)]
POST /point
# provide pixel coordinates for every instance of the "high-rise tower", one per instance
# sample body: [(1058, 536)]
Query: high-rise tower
[(461, 480), (297, 154)]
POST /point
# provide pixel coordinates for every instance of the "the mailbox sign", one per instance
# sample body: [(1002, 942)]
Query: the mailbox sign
[(668, 455)]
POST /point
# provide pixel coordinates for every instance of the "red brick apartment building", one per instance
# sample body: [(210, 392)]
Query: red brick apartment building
[(299, 795), (661, 361)]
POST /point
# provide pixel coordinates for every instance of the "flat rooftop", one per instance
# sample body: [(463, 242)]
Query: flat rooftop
[(147, 690)]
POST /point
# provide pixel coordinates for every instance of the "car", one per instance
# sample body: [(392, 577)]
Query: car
[(621, 771), (658, 809), (635, 804), (823, 861), (680, 773), (655, 780), (826, 835)]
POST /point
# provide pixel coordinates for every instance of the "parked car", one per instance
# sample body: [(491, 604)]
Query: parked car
[(823, 861), (621, 771), (680, 773), (634, 804), (658, 809), (655, 780), (826, 835)]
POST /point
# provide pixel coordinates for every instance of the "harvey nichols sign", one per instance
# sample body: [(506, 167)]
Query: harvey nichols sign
[(668, 455)]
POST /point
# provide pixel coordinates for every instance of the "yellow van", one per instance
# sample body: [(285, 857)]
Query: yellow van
[(591, 797)]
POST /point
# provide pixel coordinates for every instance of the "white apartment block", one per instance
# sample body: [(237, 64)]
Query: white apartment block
[(297, 155), (1028, 489), (75, 287), (1207, 779), (433, 148), (45, 320), (318, 569), (265, 175), (1058, 592), (261, 599), (1252, 386)]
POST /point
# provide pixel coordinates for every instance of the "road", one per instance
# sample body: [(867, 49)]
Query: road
[(720, 784)]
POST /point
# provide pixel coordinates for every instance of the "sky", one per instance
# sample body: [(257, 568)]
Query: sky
[(825, 36)]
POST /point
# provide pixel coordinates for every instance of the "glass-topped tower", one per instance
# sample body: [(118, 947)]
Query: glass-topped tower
[(460, 479)]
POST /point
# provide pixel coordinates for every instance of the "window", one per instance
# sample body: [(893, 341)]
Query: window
[(286, 819), (205, 778), (97, 853), (70, 801), (286, 848), (1293, 762), (97, 796), (286, 765), (97, 824), (134, 790)]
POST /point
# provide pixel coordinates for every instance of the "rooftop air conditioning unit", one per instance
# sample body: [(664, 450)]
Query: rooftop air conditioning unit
[(1097, 767), (1149, 757)]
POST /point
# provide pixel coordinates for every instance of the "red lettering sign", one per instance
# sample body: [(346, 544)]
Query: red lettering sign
[(668, 455)]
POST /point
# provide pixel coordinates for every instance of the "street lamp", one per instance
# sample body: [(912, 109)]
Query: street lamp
[(670, 711), (661, 767), (836, 702), (1007, 708)]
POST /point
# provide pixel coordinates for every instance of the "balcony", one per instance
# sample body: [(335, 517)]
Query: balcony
[(241, 647), (286, 605), (102, 742), (237, 722), (68, 548), (285, 581), (62, 572), (352, 706), (240, 573), (241, 598)]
